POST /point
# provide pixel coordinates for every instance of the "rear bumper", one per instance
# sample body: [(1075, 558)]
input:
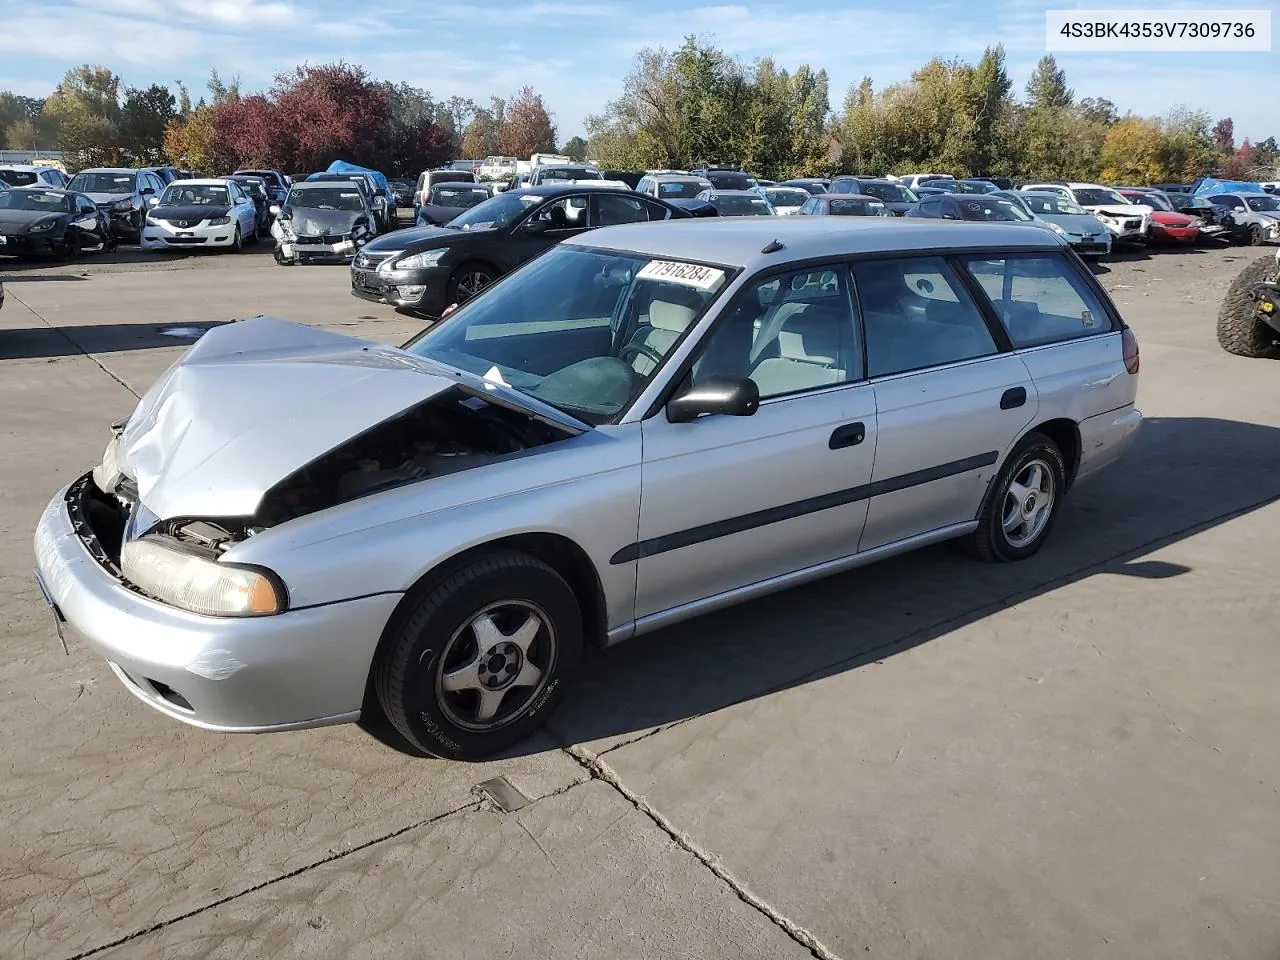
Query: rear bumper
[(1106, 437)]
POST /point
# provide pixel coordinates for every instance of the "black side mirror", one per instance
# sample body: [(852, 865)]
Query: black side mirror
[(535, 226), (148, 191), (720, 393)]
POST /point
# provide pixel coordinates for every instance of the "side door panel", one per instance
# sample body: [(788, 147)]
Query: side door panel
[(730, 501), (942, 436)]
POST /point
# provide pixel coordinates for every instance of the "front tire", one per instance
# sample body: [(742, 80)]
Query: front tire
[(1022, 504), (1255, 235), (1240, 330), (479, 658), (469, 280), (237, 243)]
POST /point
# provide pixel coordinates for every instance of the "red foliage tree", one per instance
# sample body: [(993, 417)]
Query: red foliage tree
[(328, 112), (250, 131)]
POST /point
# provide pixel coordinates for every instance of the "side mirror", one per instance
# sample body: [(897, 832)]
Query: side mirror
[(275, 209), (148, 191), (720, 393), (535, 226)]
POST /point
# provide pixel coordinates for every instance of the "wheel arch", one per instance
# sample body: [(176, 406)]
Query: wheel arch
[(1065, 433)]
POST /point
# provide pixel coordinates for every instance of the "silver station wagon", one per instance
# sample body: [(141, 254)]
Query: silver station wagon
[(646, 423)]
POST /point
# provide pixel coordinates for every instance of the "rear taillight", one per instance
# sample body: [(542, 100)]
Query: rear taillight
[(1130, 345)]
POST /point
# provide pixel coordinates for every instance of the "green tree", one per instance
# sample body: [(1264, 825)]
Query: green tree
[(220, 92), (1189, 151), (86, 107), (1132, 152), (1047, 88), (575, 148), (143, 119), (21, 135)]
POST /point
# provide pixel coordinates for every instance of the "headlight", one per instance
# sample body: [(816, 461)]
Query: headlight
[(107, 474), (124, 204), (44, 227), (1057, 229), (195, 583), (219, 221), (419, 260)]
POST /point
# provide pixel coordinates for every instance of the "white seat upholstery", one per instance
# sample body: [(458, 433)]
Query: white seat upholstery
[(667, 321)]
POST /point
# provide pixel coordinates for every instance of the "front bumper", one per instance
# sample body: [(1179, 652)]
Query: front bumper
[(123, 222), (421, 291), (163, 235), (1091, 246), (1188, 234), (311, 249), (21, 244), (301, 668)]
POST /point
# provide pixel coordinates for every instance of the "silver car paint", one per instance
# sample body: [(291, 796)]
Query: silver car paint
[(348, 567)]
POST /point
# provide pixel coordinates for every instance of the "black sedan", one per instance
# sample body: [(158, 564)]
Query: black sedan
[(896, 198), (978, 209), (39, 220), (256, 189), (426, 269)]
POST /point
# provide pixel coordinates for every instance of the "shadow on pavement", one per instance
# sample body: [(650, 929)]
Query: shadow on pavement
[(1182, 476), (46, 342)]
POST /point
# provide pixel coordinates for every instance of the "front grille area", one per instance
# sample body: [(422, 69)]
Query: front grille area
[(181, 224), (370, 259), (329, 238), (187, 240)]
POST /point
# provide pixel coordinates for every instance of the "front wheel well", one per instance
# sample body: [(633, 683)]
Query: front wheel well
[(1066, 436), (556, 551)]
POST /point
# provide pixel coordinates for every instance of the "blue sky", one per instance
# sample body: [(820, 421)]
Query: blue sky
[(575, 52)]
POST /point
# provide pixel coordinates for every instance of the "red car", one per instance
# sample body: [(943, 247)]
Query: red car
[(1167, 225)]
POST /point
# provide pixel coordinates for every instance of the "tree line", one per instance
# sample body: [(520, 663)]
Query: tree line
[(310, 116), (700, 105), (676, 109)]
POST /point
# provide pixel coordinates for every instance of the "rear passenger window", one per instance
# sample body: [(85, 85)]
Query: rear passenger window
[(917, 314), (1040, 299), (790, 333)]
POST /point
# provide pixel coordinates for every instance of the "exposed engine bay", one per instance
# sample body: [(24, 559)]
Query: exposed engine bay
[(454, 431)]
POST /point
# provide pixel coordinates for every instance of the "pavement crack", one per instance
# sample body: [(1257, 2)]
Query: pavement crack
[(600, 770), (71, 340), (338, 855)]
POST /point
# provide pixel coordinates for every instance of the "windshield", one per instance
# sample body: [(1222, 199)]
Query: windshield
[(1194, 203), (855, 207), (455, 195), (1152, 200), (680, 189), (1262, 203), (786, 196), (962, 186), (43, 201), (268, 175), (201, 194), (990, 208), (581, 329), (892, 192), (739, 206), (325, 198), (255, 188), (569, 173), (1098, 197), (1053, 204), (101, 183), (19, 178), (496, 212)]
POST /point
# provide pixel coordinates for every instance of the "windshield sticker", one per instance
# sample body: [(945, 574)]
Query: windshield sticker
[(494, 375), (685, 274), (124, 179)]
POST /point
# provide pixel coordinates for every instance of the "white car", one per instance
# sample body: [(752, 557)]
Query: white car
[(201, 214), (1127, 222), (913, 180), (29, 175), (785, 201)]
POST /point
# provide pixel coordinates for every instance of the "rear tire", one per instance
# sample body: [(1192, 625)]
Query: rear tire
[(1022, 503), (1240, 330), (476, 659)]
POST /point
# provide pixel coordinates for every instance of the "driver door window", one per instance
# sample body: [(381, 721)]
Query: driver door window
[(567, 214), (789, 334)]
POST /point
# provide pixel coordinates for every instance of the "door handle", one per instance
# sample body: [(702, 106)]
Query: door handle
[(850, 435), (1013, 397)]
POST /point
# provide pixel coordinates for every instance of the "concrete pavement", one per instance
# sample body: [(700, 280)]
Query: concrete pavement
[(1067, 757)]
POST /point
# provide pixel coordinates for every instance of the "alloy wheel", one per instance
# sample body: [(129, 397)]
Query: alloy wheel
[(1028, 503)]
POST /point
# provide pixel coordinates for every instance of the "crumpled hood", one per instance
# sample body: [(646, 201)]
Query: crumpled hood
[(251, 402), (106, 199), (313, 222), (190, 212), (1119, 209)]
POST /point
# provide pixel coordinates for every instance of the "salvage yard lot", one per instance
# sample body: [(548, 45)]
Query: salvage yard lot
[(1069, 757)]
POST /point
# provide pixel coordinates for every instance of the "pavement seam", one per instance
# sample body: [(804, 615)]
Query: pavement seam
[(67, 337), (341, 854), (600, 770)]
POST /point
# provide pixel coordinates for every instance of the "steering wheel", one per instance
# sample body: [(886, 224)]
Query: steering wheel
[(640, 348)]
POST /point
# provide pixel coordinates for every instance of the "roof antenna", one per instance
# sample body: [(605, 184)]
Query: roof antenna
[(773, 246)]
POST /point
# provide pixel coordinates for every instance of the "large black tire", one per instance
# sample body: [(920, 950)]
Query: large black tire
[(237, 242), (432, 641), (466, 281), (1240, 330), (992, 541)]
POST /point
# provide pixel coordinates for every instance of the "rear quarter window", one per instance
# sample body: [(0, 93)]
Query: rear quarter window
[(1040, 299)]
